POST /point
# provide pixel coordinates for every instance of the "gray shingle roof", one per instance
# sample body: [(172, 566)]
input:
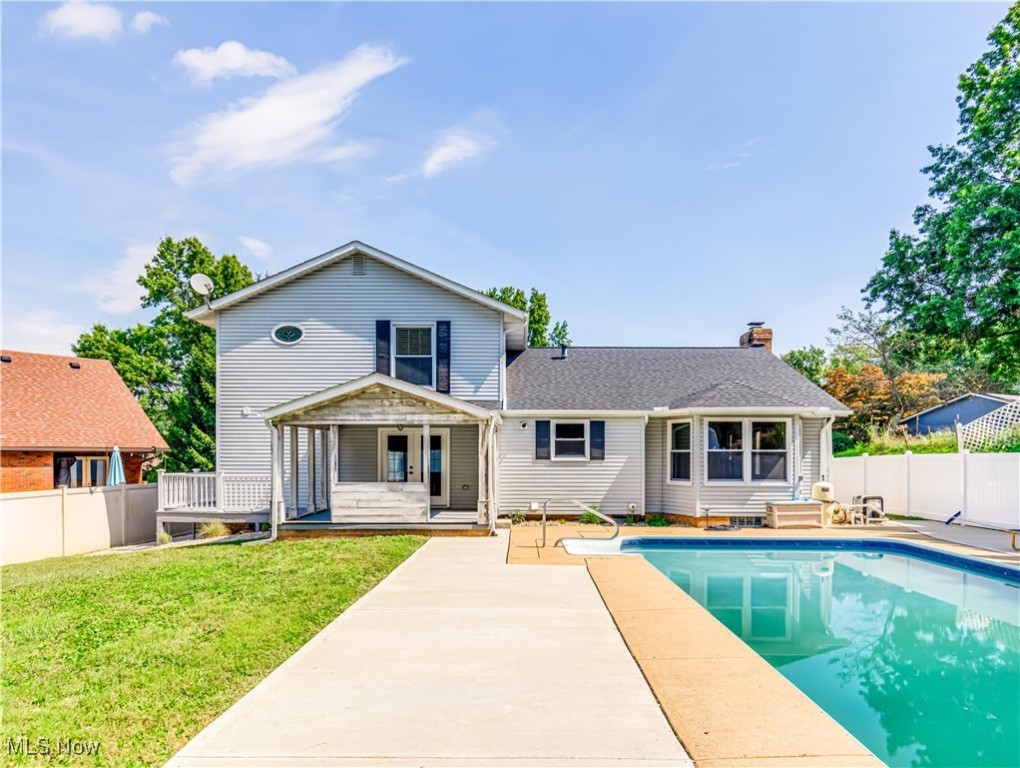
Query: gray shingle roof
[(643, 378)]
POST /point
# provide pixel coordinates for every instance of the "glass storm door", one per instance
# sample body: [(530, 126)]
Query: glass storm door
[(399, 463)]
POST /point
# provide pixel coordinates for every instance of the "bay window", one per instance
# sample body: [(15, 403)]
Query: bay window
[(763, 457)]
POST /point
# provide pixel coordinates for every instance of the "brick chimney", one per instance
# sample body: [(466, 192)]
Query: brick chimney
[(757, 335)]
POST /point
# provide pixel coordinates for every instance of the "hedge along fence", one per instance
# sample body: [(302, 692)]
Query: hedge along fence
[(983, 487), (71, 521)]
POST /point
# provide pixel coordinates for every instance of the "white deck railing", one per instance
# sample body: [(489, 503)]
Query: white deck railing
[(213, 492)]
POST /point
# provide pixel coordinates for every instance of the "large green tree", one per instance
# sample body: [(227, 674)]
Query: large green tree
[(956, 282), (170, 363), (542, 332)]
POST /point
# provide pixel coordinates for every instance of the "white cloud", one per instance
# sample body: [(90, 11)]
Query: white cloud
[(292, 120), (116, 290), (143, 21), (77, 20), (724, 166), (40, 331), (455, 147), (232, 59), (257, 248)]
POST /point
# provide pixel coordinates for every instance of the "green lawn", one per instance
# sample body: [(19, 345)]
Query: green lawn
[(141, 651)]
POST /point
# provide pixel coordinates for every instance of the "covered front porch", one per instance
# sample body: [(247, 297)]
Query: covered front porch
[(378, 452)]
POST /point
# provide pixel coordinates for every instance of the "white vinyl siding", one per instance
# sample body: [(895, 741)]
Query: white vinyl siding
[(337, 311), (654, 464), (612, 483)]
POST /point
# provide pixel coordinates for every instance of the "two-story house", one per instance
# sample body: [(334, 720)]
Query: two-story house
[(357, 390)]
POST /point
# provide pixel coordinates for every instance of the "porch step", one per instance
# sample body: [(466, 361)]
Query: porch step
[(380, 514)]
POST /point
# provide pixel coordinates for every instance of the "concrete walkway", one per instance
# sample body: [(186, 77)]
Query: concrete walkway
[(456, 659), (982, 538)]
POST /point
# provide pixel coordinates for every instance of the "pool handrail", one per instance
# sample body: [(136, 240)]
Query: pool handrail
[(585, 508)]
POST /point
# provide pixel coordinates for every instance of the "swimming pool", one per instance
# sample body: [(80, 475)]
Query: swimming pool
[(914, 651)]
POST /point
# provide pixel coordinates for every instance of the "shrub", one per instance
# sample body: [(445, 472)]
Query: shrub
[(657, 521), (629, 520), (214, 529), (590, 518), (517, 516), (888, 444), (164, 537), (841, 441)]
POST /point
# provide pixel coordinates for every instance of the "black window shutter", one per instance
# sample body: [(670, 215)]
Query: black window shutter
[(597, 436), (542, 440), (382, 347), (443, 356)]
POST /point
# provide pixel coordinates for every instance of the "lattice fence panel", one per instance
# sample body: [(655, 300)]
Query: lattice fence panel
[(980, 433), (246, 493)]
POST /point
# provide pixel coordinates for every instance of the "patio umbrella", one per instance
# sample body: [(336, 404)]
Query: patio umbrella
[(116, 474)]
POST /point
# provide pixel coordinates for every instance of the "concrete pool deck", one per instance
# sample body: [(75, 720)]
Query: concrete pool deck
[(455, 659), (526, 540)]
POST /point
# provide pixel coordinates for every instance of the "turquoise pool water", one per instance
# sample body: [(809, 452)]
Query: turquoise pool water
[(919, 661)]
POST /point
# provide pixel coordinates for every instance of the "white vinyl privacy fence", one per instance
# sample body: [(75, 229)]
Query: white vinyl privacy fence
[(70, 521), (983, 487)]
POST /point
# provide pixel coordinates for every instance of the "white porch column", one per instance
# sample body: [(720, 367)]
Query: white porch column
[(293, 471), (311, 469), (492, 505), (334, 462), (426, 467), (324, 470), (482, 491), (276, 476)]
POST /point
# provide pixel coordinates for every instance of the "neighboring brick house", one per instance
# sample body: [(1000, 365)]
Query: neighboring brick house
[(60, 418)]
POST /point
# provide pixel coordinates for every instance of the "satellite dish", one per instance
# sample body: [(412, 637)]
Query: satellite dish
[(201, 284)]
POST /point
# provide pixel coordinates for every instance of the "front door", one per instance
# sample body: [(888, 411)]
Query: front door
[(399, 462)]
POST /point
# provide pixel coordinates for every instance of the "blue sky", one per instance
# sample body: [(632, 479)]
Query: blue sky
[(665, 172)]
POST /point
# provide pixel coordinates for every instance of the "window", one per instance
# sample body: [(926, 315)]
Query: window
[(414, 355), (680, 452), (725, 460), (732, 458), (288, 333), (570, 440), (88, 472), (768, 450)]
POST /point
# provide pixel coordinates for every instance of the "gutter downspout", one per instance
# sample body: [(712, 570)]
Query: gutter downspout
[(826, 457), (275, 484)]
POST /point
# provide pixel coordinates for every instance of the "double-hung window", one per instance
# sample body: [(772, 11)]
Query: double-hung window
[(731, 457), (570, 440), (768, 450), (725, 450), (680, 452), (414, 354)]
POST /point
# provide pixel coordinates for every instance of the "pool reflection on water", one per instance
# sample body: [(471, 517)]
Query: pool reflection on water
[(919, 661)]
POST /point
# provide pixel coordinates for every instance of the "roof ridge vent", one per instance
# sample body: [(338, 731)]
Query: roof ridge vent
[(358, 266)]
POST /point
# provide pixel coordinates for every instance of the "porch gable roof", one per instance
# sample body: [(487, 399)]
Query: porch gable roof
[(364, 383)]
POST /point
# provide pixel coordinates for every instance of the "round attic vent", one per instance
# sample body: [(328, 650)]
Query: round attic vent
[(288, 333)]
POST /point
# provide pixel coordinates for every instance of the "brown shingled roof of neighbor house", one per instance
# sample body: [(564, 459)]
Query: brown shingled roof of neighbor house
[(46, 404)]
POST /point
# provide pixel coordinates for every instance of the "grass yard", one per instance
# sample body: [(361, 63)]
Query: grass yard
[(141, 651)]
